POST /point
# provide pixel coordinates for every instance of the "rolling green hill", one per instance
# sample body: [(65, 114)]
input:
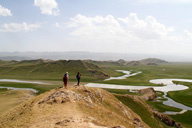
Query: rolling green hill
[(53, 70)]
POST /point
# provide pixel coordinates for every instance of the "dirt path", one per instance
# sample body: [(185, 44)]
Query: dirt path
[(66, 115)]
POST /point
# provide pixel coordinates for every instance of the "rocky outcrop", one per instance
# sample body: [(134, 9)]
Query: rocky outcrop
[(149, 61), (152, 61), (167, 120), (148, 94), (133, 63), (61, 97), (122, 62)]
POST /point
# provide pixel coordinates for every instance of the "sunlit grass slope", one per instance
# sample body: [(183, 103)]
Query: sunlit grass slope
[(140, 109), (53, 70)]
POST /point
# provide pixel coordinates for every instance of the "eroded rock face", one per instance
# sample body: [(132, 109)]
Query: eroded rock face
[(62, 97), (148, 94), (124, 110), (167, 120), (70, 96), (100, 95), (91, 95)]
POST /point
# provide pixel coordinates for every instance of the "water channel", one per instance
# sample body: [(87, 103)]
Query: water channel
[(168, 86), (12, 88), (21, 81)]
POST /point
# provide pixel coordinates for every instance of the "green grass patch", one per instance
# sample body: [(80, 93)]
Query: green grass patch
[(92, 71), (161, 71), (184, 96), (159, 106), (40, 88), (140, 110), (3, 90), (185, 119)]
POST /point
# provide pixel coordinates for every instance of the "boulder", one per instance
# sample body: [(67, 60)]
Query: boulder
[(148, 94)]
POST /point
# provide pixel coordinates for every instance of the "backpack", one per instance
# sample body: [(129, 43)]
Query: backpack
[(77, 76)]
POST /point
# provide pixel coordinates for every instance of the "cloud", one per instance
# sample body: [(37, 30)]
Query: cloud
[(94, 26), (188, 34), (127, 34), (130, 27), (165, 1), (149, 28), (4, 11), (15, 27), (48, 7), (57, 25)]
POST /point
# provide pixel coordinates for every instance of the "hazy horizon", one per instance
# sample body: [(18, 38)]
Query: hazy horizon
[(142, 27), (98, 56)]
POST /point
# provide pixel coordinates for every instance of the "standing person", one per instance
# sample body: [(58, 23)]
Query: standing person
[(65, 79), (78, 76)]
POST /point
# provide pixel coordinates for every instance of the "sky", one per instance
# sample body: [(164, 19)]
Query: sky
[(113, 26)]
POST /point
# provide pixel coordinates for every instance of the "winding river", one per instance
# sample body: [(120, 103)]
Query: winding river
[(168, 86), (12, 88), (127, 74), (21, 81)]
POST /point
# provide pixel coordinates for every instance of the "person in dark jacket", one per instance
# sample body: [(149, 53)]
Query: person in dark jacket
[(65, 79), (78, 76)]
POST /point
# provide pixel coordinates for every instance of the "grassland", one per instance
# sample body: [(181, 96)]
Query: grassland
[(53, 70), (3, 90), (184, 96), (160, 107), (95, 71), (40, 88), (141, 110), (184, 119), (92, 71), (149, 72), (162, 71)]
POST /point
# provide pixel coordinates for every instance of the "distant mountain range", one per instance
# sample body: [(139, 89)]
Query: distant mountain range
[(53, 69), (84, 56), (148, 61)]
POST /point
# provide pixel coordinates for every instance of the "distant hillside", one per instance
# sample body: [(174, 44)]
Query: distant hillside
[(133, 63), (41, 69), (52, 70), (121, 61), (3, 62), (149, 61)]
